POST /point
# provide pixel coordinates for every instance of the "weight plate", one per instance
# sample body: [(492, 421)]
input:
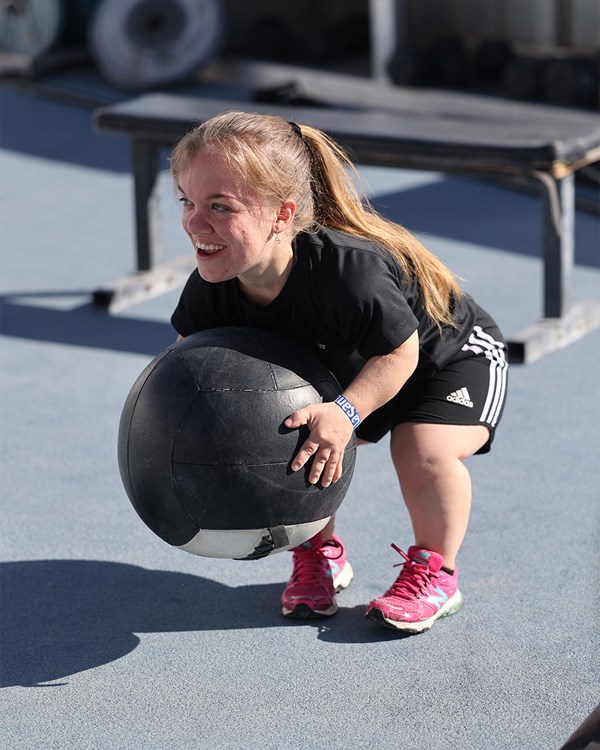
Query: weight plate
[(140, 44), (31, 27)]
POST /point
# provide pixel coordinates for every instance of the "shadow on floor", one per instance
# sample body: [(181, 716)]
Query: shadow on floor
[(25, 316), (67, 616)]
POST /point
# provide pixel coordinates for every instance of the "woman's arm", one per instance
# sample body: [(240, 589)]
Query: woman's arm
[(330, 429)]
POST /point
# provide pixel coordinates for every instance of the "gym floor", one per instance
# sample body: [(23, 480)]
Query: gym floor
[(112, 639)]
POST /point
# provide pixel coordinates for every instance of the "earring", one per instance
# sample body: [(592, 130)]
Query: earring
[(277, 240)]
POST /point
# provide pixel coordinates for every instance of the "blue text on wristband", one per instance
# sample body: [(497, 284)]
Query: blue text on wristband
[(349, 410)]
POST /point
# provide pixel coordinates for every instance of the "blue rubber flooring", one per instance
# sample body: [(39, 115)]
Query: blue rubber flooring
[(112, 640)]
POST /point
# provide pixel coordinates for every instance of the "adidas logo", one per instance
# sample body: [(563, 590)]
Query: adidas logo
[(461, 396)]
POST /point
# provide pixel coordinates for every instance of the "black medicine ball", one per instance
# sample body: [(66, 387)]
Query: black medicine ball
[(203, 452)]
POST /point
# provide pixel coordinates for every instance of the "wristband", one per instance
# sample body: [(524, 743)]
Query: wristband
[(349, 410)]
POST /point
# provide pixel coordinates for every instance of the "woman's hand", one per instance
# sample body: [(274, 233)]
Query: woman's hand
[(330, 432), (330, 429)]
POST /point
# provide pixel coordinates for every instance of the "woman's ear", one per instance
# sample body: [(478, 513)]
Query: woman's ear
[(285, 216)]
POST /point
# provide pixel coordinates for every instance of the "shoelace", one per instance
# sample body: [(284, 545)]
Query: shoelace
[(309, 565), (413, 578), (330, 545)]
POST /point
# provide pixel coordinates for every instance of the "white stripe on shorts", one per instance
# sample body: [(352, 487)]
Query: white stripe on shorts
[(481, 342)]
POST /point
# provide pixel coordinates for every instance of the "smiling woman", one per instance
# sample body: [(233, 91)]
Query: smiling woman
[(233, 233), (284, 242)]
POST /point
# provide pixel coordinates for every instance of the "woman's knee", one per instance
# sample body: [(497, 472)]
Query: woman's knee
[(431, 447)]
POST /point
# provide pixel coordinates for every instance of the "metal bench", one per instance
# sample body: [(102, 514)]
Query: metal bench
[(440, 131)]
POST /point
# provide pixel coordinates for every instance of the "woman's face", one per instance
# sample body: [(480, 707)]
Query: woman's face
[(231, 229)]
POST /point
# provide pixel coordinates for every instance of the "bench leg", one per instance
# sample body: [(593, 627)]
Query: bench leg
[(563, 322), (151, 278), (558, 215), (145, 176)]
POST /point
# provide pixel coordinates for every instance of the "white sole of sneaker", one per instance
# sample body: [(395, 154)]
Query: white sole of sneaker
[(343, 578), (450, 607)]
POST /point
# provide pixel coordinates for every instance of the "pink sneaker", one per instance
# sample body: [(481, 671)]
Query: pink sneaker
[(320, 569), (421, 594)]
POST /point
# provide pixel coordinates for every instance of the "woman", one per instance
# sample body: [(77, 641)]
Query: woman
[(284, 242)]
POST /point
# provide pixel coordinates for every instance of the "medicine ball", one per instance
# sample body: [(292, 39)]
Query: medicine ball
[(203, 452)]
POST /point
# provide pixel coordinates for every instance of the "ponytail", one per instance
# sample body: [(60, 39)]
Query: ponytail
[(338, 205)]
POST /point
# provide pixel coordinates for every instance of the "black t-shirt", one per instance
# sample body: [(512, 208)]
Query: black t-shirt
[(346, 299)]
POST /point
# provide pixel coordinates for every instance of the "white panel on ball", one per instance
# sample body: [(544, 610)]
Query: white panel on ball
[(240, 543)]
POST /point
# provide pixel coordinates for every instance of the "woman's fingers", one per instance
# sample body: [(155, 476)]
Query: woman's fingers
[(326, 464), (329, 434)]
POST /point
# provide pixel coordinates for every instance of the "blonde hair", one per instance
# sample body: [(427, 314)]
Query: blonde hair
[(283, 161)]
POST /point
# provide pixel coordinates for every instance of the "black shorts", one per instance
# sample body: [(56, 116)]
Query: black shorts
[(470, 390)]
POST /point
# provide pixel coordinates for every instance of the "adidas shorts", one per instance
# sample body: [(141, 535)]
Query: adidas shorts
[(469, 391)]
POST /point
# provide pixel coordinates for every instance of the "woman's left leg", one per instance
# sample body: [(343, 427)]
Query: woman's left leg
[(437, 491), (435, 483)]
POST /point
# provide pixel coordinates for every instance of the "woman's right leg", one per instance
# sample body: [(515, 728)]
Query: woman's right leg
[(320, 570)]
